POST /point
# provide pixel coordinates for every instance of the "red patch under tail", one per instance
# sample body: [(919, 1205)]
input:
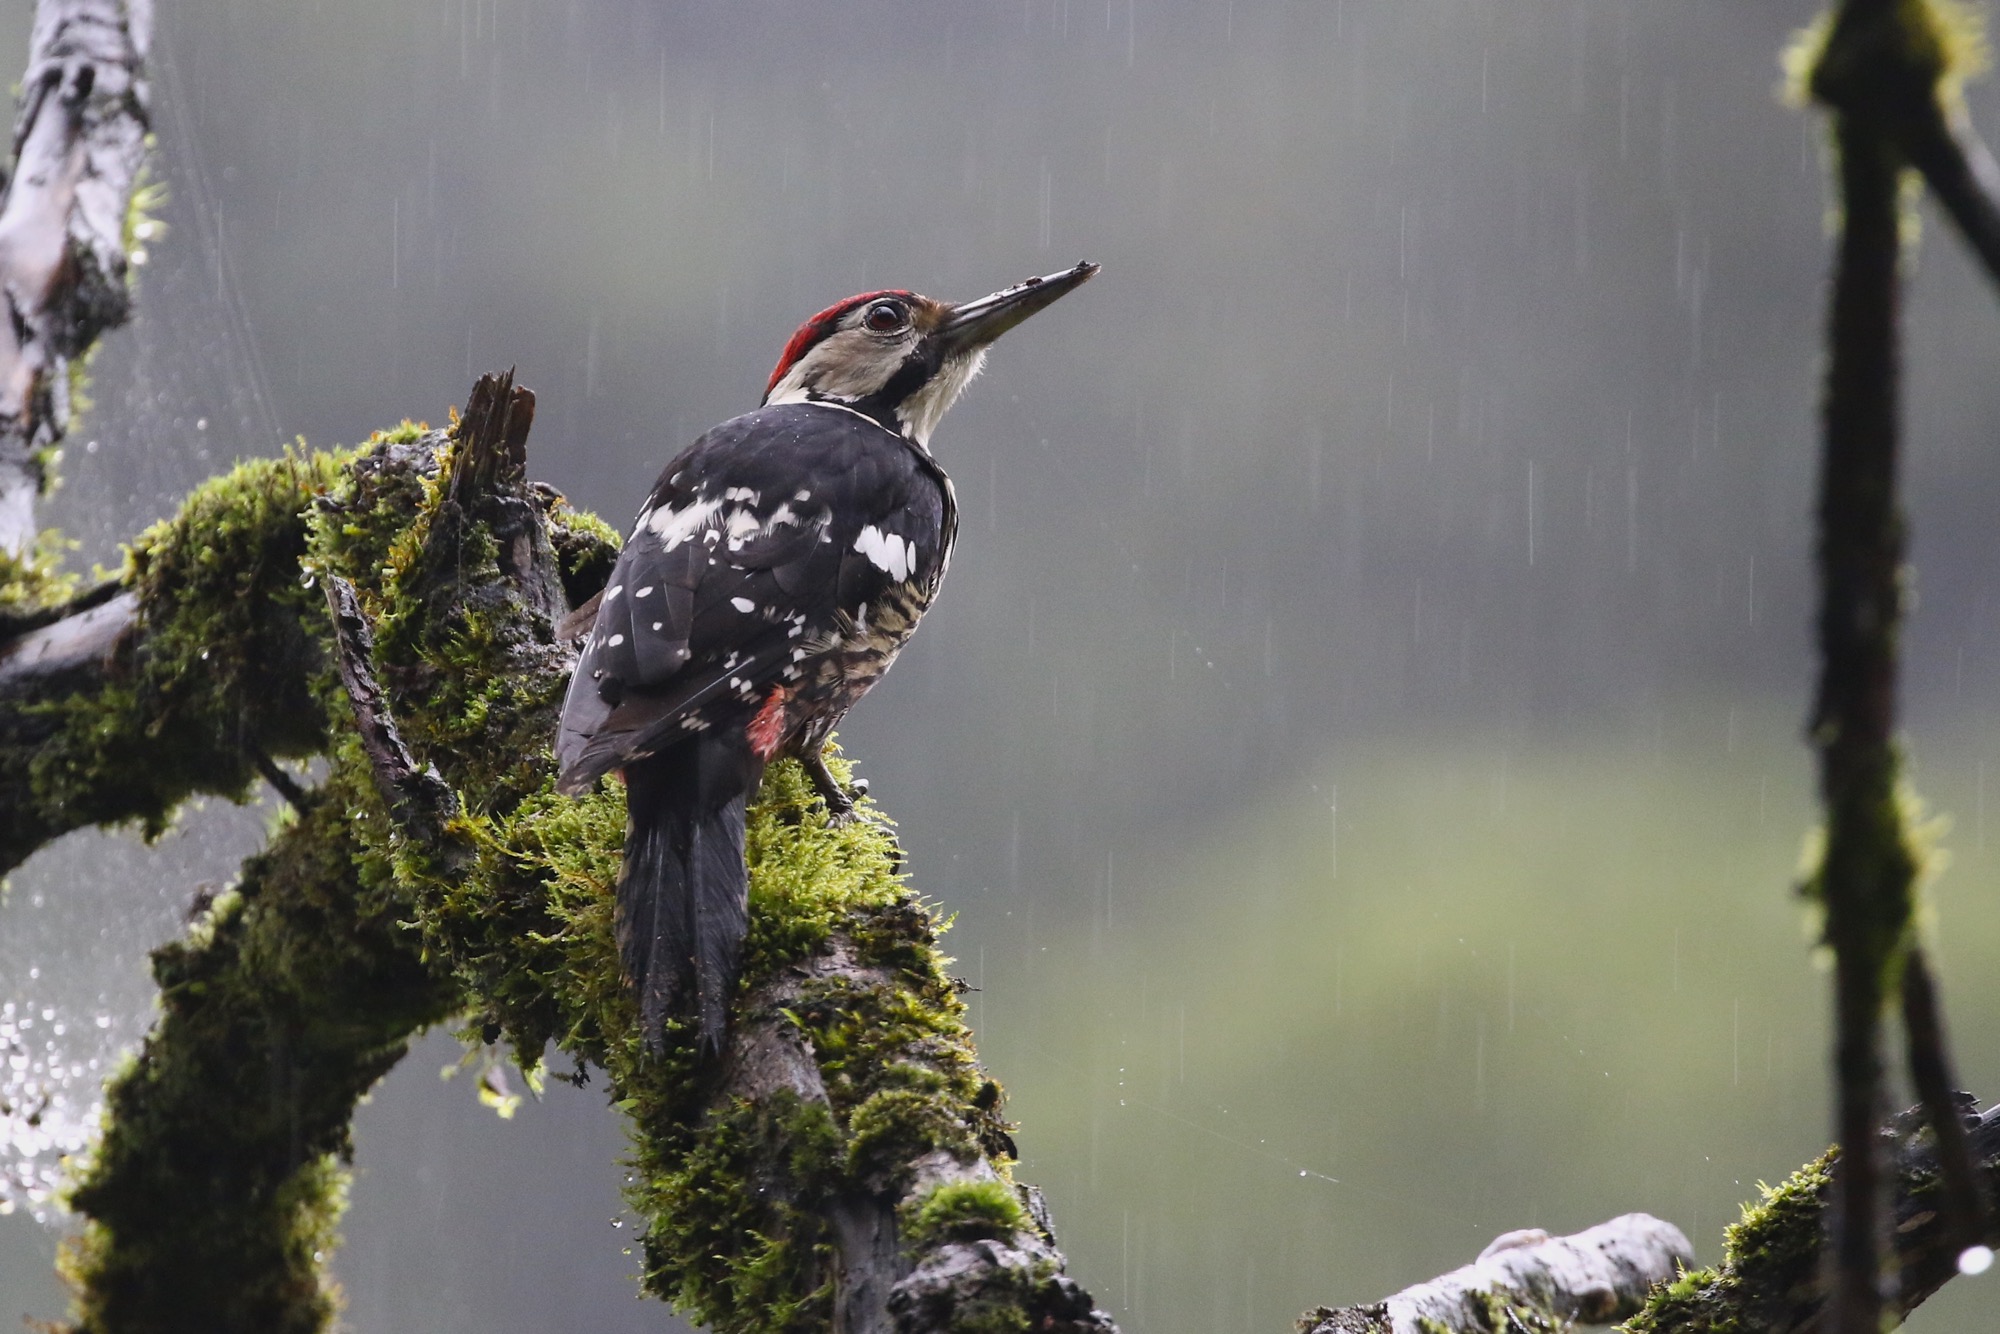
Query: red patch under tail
[(767, 730)]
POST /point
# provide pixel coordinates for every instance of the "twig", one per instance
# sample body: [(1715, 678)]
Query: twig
[(1930, 1071), (81, 640), (1961, 172), (286, 786)]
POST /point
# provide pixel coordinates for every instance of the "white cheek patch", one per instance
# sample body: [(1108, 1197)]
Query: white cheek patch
[(921, 412), (888, 552), (674, 527)]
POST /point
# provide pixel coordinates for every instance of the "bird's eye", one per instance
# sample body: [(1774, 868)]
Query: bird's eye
[(884, 317)]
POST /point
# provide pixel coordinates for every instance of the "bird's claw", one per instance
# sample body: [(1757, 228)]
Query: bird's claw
[(839, 800), (842, 802)]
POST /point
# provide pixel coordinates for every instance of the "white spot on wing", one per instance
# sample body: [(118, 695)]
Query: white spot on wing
[(645, 592), (744, 605), (614, 641), (674, 527), (888, 552)]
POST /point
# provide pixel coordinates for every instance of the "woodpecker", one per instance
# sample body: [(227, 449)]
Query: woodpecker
[(776, 569)]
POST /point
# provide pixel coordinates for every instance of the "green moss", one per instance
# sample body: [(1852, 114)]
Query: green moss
[(586, 547), (230, 663), (34, 580), (215, 1195), (406, 434), (733, 1201), (964, 1211), (1769, 1253), (142, 226), (735, 1237)]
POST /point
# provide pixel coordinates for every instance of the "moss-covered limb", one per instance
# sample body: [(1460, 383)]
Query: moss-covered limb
[(845, 1162), (79, 148), (208, 655), (1773, 1278), (1529, 1281), (213, 1198)]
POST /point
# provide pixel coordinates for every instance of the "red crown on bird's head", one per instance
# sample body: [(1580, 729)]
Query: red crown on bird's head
[(819, 326)]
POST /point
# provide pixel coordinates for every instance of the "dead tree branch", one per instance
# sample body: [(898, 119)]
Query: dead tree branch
[(1530, 1280), (79, 149)]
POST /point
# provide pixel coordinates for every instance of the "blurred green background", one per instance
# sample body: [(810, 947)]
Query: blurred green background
[(1359, 738)]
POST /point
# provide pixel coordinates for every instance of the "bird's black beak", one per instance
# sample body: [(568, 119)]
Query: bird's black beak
[(977, 323)]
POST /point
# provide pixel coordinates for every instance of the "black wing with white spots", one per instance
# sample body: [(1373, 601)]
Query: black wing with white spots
[(759, 558)]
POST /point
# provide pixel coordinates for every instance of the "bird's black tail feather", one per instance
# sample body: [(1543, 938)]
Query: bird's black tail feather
[(683, 890)]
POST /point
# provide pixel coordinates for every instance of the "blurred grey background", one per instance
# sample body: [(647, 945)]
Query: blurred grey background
[(1359, 737)]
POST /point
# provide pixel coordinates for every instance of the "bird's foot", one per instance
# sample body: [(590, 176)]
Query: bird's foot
[(841, 802), (839, 799)]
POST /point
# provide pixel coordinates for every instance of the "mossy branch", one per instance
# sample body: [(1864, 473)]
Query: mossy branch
[(1774, 1276), (785, 1186), (846, 1160), (207, 653)]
